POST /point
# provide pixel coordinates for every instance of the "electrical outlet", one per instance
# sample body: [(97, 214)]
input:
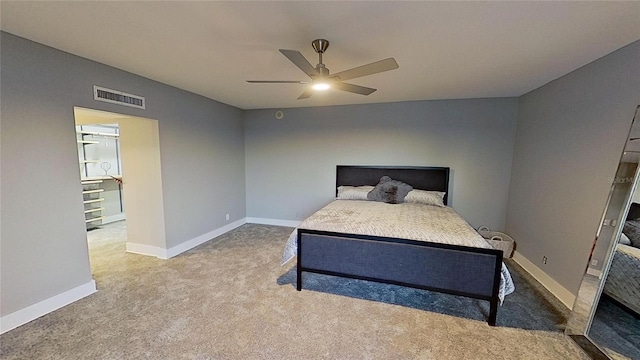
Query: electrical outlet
[(594, 262), (227, 217), (544, 260)]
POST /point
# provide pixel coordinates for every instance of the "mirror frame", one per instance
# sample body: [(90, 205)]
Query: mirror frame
[(585, 305)]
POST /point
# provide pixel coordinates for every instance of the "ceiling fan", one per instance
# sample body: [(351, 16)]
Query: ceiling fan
[(320, 77)]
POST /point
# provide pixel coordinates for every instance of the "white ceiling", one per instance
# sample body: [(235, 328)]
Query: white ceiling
[(446, 50)]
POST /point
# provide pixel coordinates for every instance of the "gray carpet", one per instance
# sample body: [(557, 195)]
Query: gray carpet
[(231, 299), (616, 330)]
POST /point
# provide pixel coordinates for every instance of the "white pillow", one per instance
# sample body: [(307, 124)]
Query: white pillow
[(434, 198), (353, 192), (624, 239)]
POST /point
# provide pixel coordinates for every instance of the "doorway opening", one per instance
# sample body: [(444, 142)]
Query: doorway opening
[(119, 164)]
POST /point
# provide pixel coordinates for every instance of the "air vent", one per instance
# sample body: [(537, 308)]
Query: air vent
[(117, 97)]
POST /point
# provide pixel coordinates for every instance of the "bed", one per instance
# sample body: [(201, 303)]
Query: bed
[(347, 238), (623, 278)]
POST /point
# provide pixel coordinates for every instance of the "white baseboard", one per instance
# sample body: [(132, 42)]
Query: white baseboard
[(565, 296), (190, 244), (23, 316), (161, 253), (113, 218), (148, 250), (263, 221), (594, 272)]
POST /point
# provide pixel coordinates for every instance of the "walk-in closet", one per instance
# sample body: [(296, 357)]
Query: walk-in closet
[(100, 173)]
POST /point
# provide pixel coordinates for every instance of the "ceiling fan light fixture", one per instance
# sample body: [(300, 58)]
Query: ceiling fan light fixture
[(320, 86)]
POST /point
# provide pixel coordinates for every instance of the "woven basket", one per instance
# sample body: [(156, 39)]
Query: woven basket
[(498, 240)]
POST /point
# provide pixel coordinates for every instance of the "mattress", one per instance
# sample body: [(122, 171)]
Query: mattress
[(406, 220)]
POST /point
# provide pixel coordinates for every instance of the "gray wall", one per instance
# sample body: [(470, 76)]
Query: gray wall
[(570, 136), (290, 163), (202, 151), (44, 250)]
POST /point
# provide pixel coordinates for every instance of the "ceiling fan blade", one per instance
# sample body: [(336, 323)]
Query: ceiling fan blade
[(299, 60), (306, 94), (353, 88), (277, 82), (369, 69)]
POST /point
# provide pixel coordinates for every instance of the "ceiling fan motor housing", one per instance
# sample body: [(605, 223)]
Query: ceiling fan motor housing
[(323, 72)]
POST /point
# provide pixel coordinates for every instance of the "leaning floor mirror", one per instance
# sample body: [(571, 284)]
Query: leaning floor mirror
[(605, 320)]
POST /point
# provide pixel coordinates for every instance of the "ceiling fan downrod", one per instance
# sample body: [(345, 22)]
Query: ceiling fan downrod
[(320, 46)]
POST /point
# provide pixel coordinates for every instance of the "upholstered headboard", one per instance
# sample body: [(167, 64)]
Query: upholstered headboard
[(423, 178)]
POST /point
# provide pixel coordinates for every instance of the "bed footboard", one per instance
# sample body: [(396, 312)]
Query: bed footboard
[(457, 270)]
